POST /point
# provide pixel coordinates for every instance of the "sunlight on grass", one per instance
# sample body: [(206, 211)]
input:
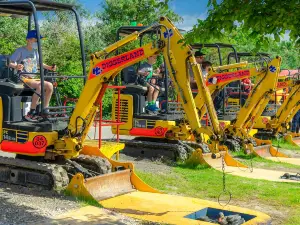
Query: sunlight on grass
[(281, 143), (207, 183), (263, 163), (83, 200)]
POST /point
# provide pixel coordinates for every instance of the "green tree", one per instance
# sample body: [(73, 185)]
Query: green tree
[(12, 33), (261, 18), (240, 39), (118, 13)]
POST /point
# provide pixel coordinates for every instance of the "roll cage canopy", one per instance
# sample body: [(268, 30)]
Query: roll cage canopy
[(199, 46), (29, 8), (25, 7)]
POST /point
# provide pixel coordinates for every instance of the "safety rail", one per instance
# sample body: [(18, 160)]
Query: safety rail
[(111, 122)]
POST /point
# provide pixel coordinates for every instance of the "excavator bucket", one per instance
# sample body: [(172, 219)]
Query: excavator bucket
[(265, 150), (122, 191), (214, 160), (293, 139)]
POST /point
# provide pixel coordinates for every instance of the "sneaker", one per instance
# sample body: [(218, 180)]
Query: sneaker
[(45, 115), (149, 109), (31, 117), (155, 108)]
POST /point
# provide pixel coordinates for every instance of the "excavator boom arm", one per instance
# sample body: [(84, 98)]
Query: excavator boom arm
[(102, 71)]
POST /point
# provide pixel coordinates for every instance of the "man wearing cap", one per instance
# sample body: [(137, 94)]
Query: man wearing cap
[(26, 59), (199, 59)]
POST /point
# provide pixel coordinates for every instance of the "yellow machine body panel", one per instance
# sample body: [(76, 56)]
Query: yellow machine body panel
[(136, 126), (262, 122), (126, 112)]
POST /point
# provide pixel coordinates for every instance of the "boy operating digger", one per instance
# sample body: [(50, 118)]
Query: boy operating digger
[(26, 59), (146, 70)]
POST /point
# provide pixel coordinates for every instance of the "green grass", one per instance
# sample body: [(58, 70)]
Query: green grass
[(263, 163), (206, 183), (83, 201), (281, 143)]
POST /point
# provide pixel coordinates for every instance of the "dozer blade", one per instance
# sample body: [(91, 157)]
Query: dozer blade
[(124, 192), (267, 151), (109, 185)]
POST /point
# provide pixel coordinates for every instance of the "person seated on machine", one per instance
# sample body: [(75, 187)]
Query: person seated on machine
[(247, 85), (200, 57), (146, 70), (204, 69), (26, 59)]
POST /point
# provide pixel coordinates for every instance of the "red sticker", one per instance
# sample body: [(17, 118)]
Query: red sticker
[(227, 77), (222, 124), (282, 84), (159, 131), (39, 141), (117, 61), (265, 120)]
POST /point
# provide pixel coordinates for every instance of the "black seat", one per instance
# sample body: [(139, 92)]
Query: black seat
[(131, 80), (134, 83), (10, 88)]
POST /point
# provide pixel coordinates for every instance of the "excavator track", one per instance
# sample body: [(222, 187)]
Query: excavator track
[(33, 174), (49, 176), (94, 163), (174, 150), (233, 145)]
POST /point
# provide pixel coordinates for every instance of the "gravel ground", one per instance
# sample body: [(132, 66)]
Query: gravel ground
[(21, 205), (24, 206)]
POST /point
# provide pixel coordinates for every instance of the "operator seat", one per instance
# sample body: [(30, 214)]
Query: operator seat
[(130, 79), (132, 82), (15, 98)]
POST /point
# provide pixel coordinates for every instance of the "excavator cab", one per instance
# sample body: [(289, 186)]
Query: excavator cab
[(260, 59), (16, 95), (135, 84), (134, 97)]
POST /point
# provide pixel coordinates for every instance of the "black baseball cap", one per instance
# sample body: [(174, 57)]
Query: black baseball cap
[(198, 53)]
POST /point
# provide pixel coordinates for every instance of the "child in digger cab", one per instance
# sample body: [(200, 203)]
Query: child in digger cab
[(146, 70), (26, 59)]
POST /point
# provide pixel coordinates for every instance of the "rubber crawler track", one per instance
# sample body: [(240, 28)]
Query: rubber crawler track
[(58, 173)]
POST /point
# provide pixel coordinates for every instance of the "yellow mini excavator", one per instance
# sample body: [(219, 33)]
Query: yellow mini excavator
[(158, 128), (52, 154), (279, 124)]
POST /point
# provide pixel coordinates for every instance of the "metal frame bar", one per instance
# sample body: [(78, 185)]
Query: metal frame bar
[(139, 28), (36, 23)]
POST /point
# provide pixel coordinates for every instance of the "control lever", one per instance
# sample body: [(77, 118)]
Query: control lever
[(20, 71)]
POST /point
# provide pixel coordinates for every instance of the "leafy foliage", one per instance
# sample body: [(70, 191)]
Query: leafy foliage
[(241, 41), (261, 18), (118, 13), (12, 34)]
